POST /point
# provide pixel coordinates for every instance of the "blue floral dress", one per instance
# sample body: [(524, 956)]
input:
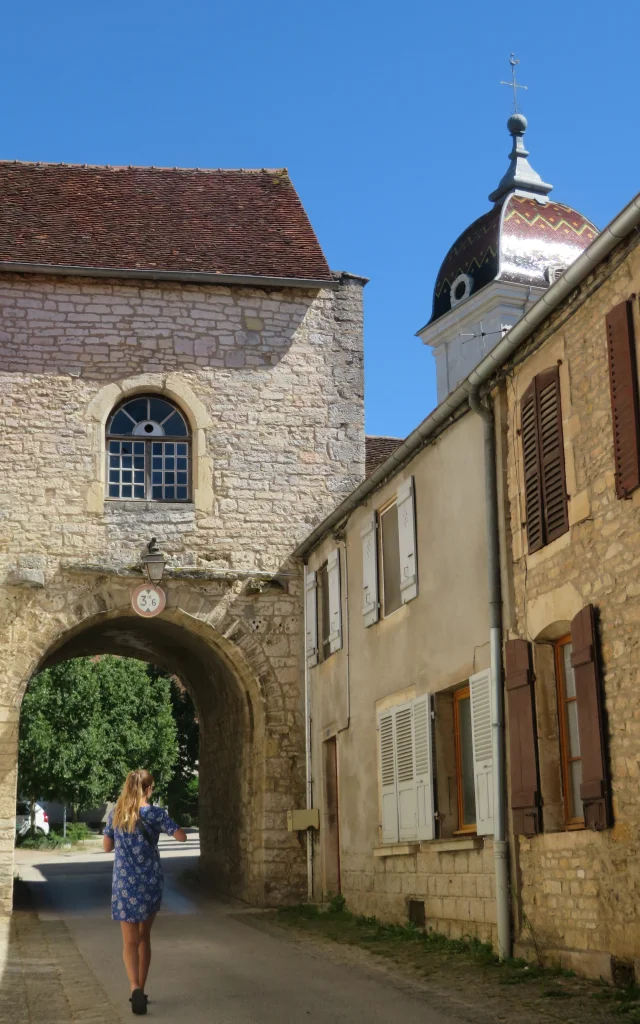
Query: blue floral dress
[(137, 874)]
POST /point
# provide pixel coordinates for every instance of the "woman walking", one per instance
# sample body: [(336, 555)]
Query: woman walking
[(133, 829)]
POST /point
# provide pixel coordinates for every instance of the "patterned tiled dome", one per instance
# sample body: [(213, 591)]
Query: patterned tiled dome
[(519, 240)]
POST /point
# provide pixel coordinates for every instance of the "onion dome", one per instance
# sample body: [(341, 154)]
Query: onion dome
[(525, 238)]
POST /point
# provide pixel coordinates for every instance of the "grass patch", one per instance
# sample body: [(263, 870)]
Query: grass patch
[(468, 964), (338, 923)]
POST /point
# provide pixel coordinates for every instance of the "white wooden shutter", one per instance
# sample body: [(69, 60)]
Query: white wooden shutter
[(389, 796), (311, 615), (407, 539), (335, 607), (405, 767), (424, 766), (370, 602), (482, 738)]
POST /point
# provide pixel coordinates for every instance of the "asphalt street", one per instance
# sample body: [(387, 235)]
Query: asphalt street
[(212, 960)]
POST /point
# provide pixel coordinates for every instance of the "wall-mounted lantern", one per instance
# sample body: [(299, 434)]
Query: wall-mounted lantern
[(154, 561)]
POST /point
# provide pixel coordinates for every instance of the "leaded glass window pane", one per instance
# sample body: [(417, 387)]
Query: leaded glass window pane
[(122, 424), (160, 410), (138, 409), (175, 426), (146, 467)]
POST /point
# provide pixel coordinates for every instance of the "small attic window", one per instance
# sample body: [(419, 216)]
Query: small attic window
[(461, 289)]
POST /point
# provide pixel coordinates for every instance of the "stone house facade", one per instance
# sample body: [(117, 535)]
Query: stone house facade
[(204, 293), (403, 843), (576, 868)]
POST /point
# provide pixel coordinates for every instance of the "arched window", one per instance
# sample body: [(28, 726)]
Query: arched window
[(148, 451)]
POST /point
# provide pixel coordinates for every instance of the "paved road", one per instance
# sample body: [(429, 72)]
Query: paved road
[(213, 962)]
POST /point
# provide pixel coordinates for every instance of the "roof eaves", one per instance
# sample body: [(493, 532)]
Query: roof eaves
[(153, 274)]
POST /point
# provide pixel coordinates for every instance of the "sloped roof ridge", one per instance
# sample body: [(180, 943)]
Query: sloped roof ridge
[(146, 167)]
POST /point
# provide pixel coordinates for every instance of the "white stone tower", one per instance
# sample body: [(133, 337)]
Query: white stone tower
[(499, 266)]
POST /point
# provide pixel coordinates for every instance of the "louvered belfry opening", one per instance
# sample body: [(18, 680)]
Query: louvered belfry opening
[(543, 455), (623, 380)]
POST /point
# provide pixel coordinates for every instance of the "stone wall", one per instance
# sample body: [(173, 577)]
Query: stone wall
[(278, 375), (272, 384), (454, 878), (579, 889)]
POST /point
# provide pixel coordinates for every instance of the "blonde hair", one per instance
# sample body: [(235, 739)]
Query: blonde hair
[(127, 809)]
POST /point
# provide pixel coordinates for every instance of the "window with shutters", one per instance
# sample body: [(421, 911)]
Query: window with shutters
[(406, 772), (623, 381), (463, 755), (324, 610), (465, 774), (545, 493), (389, 540), (322, 579), (569, 734)]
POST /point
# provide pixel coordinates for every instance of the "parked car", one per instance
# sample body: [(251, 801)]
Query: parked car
[(23, 819)]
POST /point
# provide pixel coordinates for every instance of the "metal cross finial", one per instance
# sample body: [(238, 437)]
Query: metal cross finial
[(513, 84)]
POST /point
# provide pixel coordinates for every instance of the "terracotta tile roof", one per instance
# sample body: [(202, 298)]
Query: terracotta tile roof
[(233, 222), (377, 449)]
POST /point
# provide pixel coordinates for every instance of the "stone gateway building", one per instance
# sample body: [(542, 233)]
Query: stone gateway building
[(176, 361)]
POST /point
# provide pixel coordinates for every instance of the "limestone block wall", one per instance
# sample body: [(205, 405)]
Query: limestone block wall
[(578, 889), (271, 380), (455, 879), (272, 384)]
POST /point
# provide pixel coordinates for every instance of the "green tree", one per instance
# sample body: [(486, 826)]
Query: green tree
[(182, 793), (85, 723), (137, 723)]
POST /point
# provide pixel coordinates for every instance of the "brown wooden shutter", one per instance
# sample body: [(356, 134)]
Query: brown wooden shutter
[(543, 455), (523, 752), (532, 469), (623, 380), (594, 791), (554, 488)]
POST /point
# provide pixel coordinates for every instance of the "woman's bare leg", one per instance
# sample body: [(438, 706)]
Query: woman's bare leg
[(130, 954), (144, 949)]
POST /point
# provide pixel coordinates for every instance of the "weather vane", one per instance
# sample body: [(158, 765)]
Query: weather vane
[(513, 84)]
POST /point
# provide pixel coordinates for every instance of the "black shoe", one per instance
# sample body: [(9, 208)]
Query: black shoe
[(138, 1002)]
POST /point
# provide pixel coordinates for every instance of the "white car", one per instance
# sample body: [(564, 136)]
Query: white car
[(23, 819)]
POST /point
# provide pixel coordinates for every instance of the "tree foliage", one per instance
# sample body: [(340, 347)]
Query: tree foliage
[(85, 723), (182, 792)]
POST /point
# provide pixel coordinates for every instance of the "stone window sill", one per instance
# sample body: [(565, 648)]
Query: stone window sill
[(431, 846), (396, 850), (452, 845), (123, 505)]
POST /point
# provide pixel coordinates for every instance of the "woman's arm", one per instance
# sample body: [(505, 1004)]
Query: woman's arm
[(180, 835), (107, 844)]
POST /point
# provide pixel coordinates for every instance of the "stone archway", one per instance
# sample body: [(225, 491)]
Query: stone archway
[(251, 761)]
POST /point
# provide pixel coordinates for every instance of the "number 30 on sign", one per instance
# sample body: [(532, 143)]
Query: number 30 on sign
[(148, 600)]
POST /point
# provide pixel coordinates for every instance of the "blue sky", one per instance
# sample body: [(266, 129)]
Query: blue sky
[(389, 117)]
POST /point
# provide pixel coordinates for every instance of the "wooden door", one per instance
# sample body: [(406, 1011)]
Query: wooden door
[(332, 826)]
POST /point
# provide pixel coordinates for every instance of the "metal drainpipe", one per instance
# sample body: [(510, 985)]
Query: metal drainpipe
[(500, 845), (346, 633), (307, 743)]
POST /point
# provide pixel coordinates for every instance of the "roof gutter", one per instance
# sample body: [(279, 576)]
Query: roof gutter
[(150, 274), (606, 241)]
